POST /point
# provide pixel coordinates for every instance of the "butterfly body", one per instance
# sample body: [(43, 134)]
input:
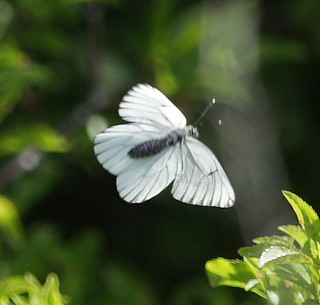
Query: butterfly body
[(155, 148)]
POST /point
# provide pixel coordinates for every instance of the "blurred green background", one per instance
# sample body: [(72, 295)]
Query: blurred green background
[(64, 67)]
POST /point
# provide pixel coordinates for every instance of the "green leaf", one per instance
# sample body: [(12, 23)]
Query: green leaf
[(50, 292), (10, 220), (17, 74), (313, 248), (252, 251), (296, 232), (234, 273), (27, 290), (305, 213), (282, 269), (295, 273), (15, 285), (38, 136), (280, 297), (275, 240), (281, 255)]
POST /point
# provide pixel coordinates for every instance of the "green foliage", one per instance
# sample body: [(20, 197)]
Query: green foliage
[(58, 59), (10, 223), (36, 136), (17, 74), (282, 269), (26, 290)]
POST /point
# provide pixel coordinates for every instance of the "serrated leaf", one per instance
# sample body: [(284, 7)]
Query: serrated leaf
[(275, 240), (305, 213), (252, 251), (253, 264), (222, 271), (295, 273), (314, 248), (233, 273), (282, 255), (296, 232)]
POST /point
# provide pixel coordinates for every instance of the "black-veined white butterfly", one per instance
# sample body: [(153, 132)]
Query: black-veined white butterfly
[(156, 148)]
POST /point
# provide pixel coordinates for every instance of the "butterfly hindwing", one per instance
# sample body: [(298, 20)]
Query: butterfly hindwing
[(148, 176), (138, 179), (201, 179)]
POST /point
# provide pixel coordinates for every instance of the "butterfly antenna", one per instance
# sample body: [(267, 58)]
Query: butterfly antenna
[(204, 112)]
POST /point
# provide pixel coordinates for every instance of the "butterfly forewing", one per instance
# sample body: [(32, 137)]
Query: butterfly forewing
[(145, 104), (112, 146)]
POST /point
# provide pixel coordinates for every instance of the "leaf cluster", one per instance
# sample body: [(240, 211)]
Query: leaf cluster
[(26, 290), (282, 269)]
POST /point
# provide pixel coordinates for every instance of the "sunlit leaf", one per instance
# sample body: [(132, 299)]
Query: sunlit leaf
[(234, 273), (252, 251), (16, 285), (281, 255), (275, 240), (313, 248), (296, 273), (251, 284), (280, 297), (305, 213), (50, 292), (27, 290), (296, 232)]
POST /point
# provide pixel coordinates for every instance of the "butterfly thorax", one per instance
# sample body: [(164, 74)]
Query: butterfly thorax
[(155, 146), (192, 131)]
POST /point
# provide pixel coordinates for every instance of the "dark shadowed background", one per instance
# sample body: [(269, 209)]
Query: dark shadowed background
[(64, 67)]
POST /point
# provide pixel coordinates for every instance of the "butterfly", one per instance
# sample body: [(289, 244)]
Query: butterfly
[(157, 147)]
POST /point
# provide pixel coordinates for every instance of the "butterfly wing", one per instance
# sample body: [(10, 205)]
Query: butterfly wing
[(112, 146), (138, 179), (148, 176), (145, 104), (200, 178)]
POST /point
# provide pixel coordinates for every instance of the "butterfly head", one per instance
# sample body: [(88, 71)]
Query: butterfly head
[(192, 131)]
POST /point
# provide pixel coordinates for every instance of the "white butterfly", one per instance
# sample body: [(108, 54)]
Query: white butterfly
[(156, 148)]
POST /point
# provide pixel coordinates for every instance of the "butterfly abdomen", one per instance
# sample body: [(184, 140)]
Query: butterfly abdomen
[(155, 146)]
